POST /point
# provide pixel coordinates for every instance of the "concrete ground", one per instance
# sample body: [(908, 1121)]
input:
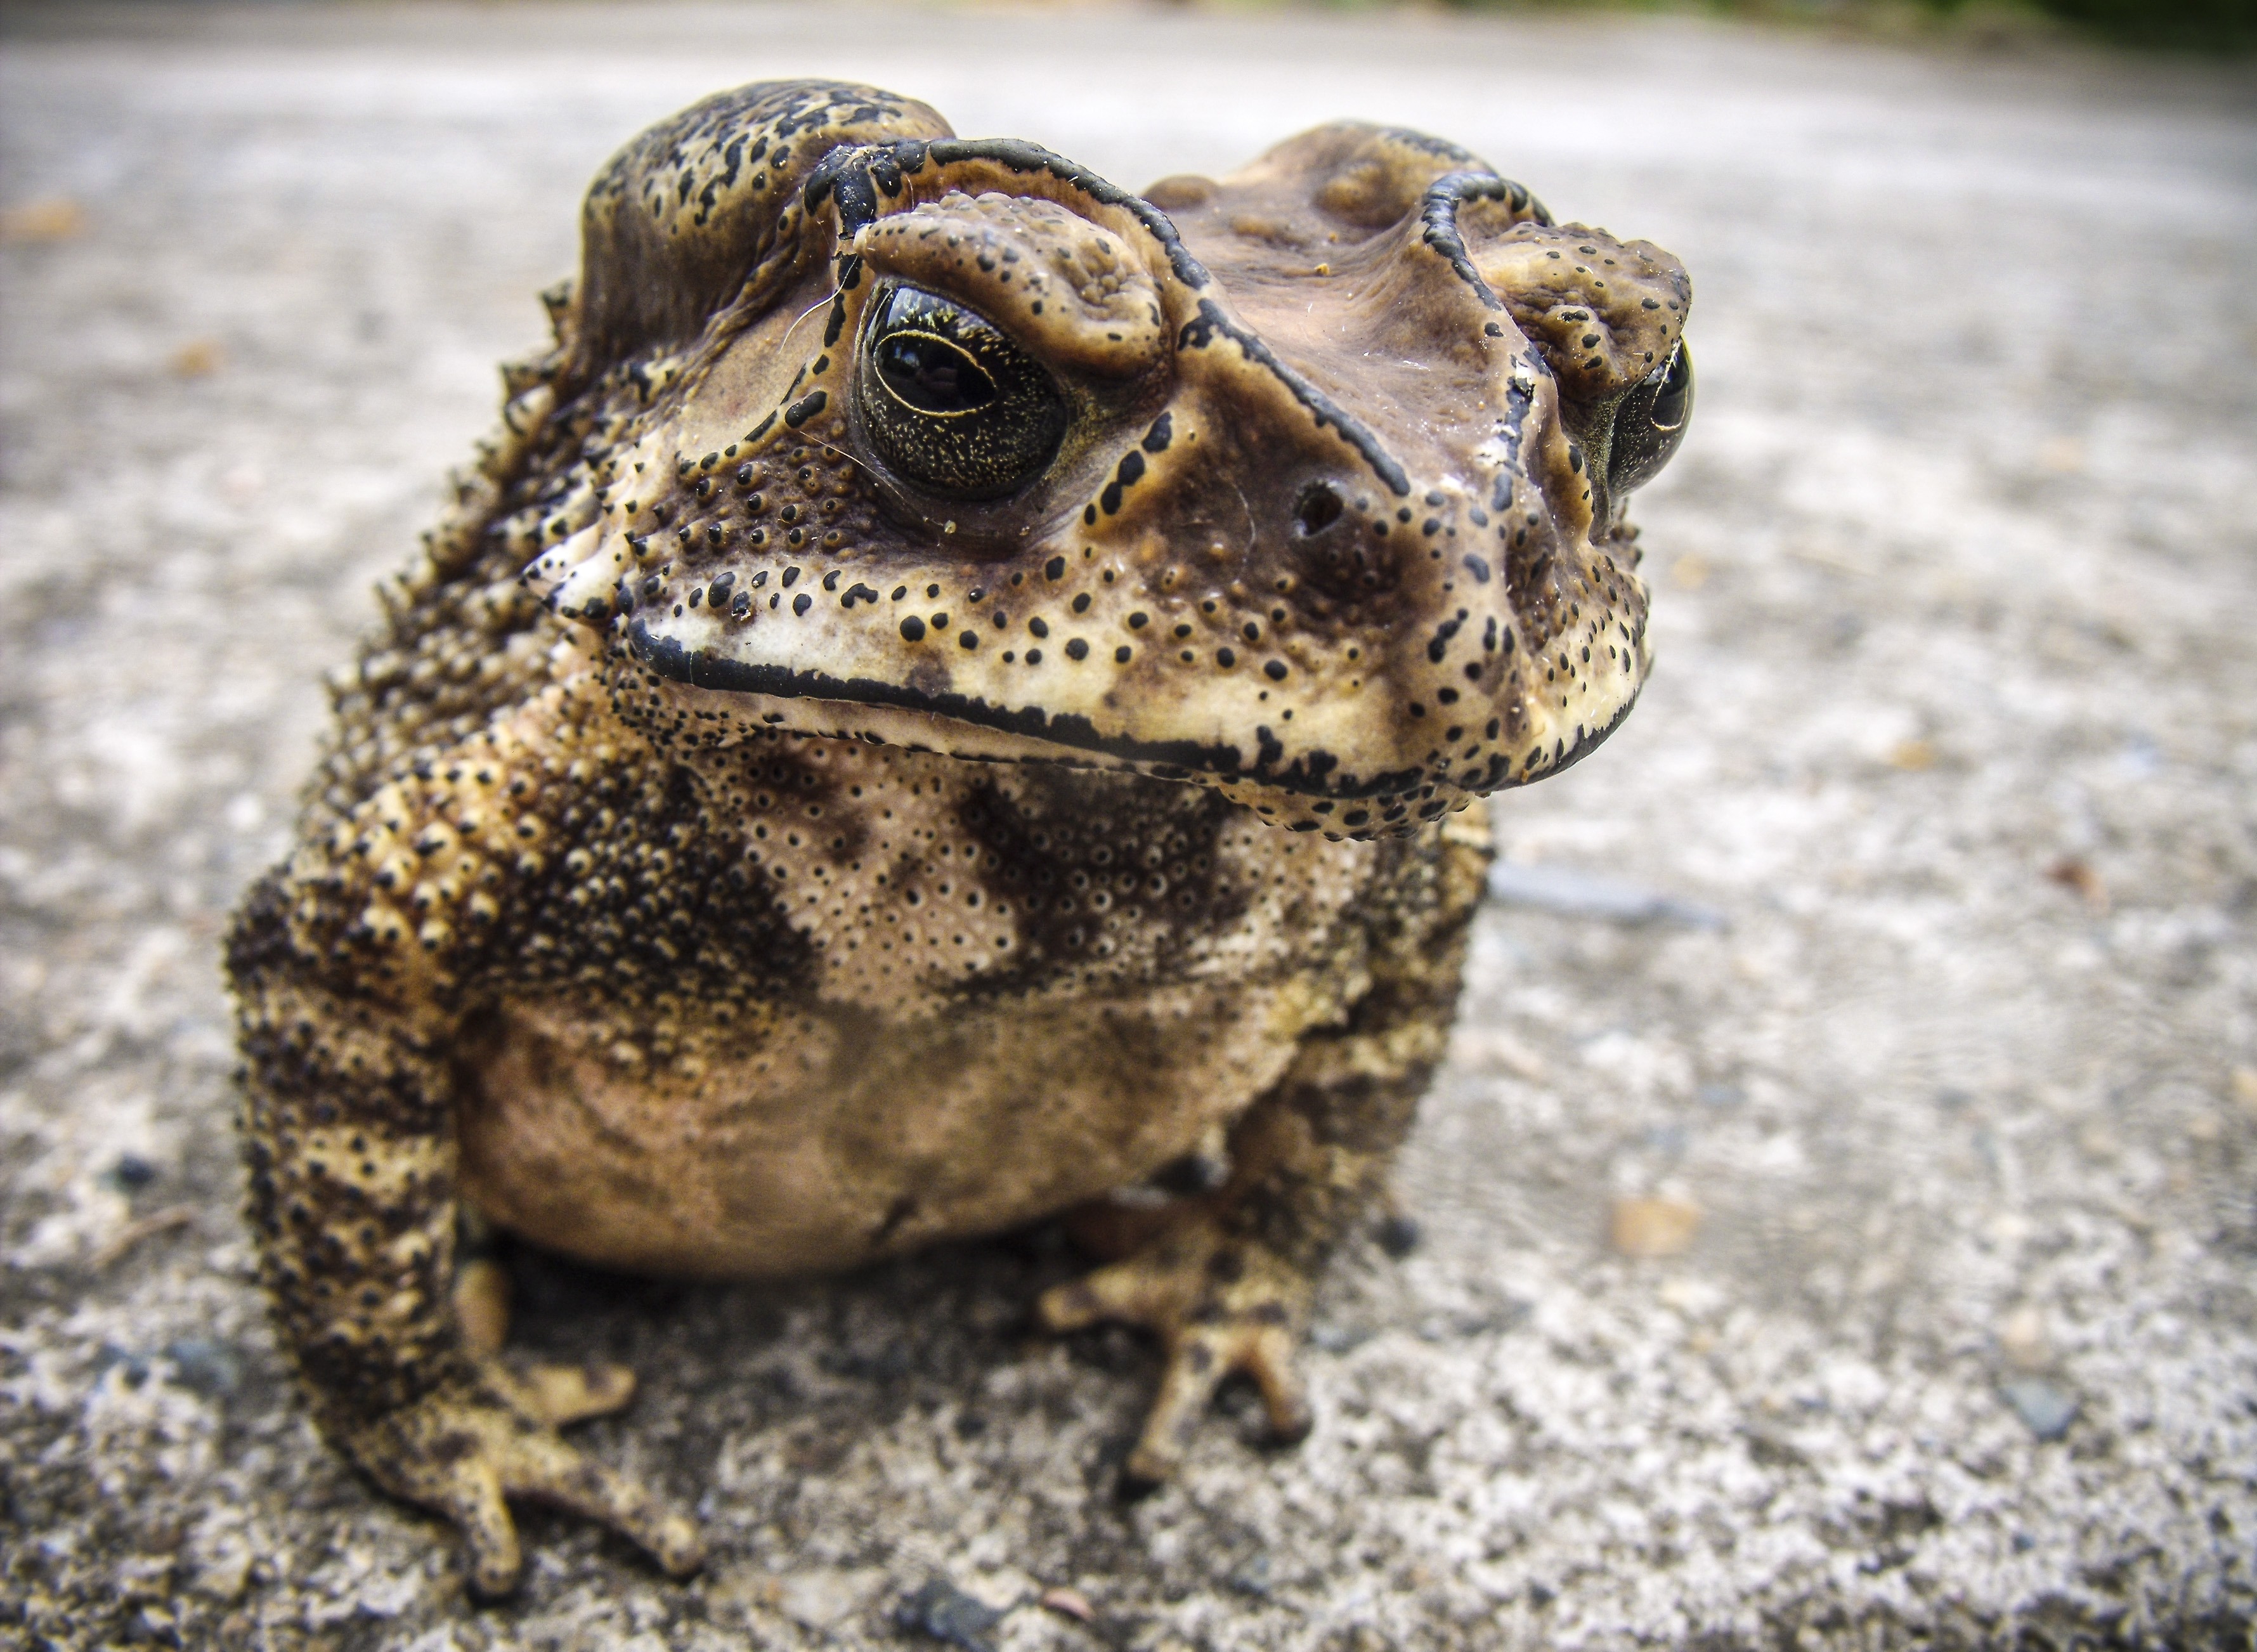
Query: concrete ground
[(1924, 1052)]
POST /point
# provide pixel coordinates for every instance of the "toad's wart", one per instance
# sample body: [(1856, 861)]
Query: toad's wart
[(946, 702)]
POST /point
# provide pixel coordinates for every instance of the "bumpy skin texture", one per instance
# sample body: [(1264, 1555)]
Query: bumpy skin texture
[(738, 856)]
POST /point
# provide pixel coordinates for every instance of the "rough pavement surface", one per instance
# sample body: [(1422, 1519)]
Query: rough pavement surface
[(1893, 973)]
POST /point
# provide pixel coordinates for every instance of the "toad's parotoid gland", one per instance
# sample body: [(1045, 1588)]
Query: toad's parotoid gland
[(957, 694)]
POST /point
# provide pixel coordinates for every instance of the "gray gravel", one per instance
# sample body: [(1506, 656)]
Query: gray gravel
[(1951, 754)]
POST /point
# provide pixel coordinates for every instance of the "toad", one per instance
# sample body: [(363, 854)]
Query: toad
[(956, 694)]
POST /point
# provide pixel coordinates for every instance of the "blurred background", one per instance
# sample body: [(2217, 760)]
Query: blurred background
[(1842, 1199)]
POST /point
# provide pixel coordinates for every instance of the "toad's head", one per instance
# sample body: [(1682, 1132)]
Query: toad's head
[(1306, 484)]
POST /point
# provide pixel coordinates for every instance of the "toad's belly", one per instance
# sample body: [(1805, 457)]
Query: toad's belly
[(848, 1135)]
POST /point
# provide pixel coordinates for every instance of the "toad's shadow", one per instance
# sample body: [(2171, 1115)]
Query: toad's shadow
[(826, 1362)]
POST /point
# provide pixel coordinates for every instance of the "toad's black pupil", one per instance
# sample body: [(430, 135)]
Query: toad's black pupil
[(1669, 400), (931, 374)]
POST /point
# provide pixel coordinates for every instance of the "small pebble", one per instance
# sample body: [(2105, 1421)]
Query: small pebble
[(1250, 1576), (1399, 1235), (1577, 893), (1913, 755), (57, 218), (949, 1616), (131, 1174), (2022, 1339), (1655, 1227), (132, 1370), (2047, 1408), (2078, 875), (225, 1572), (198, 359), (209, 1368), (1071, 1602), (1339, 1339)]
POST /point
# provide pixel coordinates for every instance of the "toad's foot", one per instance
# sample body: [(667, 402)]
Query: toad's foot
[(1221, 1304), (557, 1394), (486, 1436)]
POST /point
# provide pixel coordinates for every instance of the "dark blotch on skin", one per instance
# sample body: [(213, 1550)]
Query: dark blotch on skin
[(1047, 834)]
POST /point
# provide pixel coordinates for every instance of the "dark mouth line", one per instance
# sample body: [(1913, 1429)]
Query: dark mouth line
[(1310, 775), (700, 670)]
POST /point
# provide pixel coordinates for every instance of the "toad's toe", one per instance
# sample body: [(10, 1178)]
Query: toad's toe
[(1222, 1307)]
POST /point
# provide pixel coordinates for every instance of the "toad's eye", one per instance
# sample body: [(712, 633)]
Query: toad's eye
[(1651, 422), (950, 401)]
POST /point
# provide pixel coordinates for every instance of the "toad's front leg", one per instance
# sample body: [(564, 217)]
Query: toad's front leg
[(349, 1133), (1225, 1281)]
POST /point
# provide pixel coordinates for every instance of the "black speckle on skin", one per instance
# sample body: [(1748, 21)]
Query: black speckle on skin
[(913, 629), (1077, 649), (805, 409), (1041, 830)]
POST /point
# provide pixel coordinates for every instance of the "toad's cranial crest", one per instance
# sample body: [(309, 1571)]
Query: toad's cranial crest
[(1307, 485), (814, 797)]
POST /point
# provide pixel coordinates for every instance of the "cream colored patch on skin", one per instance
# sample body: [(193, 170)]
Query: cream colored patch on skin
[(858, 1137)]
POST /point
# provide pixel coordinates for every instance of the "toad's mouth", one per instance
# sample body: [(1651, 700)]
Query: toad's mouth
[(905, 711), (699, 669)]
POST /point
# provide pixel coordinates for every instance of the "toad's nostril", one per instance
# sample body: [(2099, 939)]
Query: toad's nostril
[(1319, 508)]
